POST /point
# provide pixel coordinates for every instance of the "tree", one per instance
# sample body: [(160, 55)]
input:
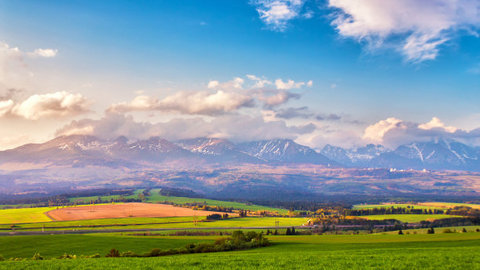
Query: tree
[(288, 232), (430, 231), (400, 232), (464, 230)]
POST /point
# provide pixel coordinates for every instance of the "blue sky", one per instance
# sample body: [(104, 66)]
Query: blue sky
[(358, 59)]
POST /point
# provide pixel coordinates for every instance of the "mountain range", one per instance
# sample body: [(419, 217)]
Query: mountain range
[(82, 150)]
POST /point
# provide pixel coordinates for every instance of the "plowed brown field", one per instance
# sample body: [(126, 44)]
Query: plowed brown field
[(124, 210)]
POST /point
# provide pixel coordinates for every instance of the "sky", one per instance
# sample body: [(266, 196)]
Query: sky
[(341, 72)]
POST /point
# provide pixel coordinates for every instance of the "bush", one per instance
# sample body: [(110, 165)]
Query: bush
[(37, 257), (67, 256), (214, 217), (2, 258), (128, 254), (113, 253), (447, 231), (464, 230)]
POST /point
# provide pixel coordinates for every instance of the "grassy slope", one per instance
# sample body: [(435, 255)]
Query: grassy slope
[(438, 251)]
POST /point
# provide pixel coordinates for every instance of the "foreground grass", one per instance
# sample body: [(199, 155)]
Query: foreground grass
[(438, 251)]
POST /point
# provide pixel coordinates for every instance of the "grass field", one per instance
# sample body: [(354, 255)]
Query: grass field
[(438, 251), (24, 215), (408, 217)]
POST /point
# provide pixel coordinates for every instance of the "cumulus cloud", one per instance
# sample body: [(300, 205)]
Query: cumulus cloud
[(199, 103), (393, 132), (257, 82), (235, 127), (46, 53), (58, 104), (235, 83), (273, 98), (277, 13), (291, 84), (419, 27)]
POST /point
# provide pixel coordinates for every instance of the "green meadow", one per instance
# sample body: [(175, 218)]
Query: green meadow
[(419, 251)]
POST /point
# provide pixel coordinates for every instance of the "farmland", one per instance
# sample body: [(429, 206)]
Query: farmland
[(25, 215), (122, 211), (420, 205), (438, 251), (410, 218)]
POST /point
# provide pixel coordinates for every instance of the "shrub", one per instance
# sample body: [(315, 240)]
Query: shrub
[(464, 230), (113, 253), (2, 258), (37, 257), (447, 231), (128, 254), (67, 256)]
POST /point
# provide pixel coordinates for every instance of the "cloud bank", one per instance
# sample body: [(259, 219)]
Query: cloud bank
[(393, 132), (234, 127)]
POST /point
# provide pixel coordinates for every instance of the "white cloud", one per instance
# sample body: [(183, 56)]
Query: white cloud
[(47, 53), (235, 83), (291, 84), (376, 132), (6, 107), (416, 28), (200, 103), (58, 104), (437, 123), (277, 13), (259, 82), (393, 132), (275, 98)]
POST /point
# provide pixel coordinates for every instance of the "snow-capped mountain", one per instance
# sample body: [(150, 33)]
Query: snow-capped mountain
[(80, 151), (434, 155), (284, 151), (360, 156), (438, 154), (217, 150)]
